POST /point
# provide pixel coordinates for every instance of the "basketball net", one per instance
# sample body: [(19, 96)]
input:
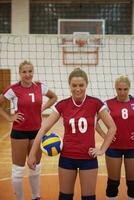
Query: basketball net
[(80, 38)]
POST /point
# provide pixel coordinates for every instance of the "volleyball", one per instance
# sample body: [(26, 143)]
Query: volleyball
[(51, 144)]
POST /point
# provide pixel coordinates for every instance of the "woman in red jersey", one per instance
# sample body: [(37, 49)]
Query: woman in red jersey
[(121, 149), (79, 113), (26, 97)]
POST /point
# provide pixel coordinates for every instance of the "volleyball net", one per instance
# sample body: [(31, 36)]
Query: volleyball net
[(54, 57)]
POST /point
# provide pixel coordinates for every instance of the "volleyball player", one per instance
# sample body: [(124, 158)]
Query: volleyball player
[(26, 97), (79, 114), (121, 149)]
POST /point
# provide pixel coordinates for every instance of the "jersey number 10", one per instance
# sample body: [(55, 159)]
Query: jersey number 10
[(82, 125)]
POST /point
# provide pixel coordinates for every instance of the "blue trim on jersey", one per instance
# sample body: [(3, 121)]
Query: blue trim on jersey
[(82, 164), (119, 153)]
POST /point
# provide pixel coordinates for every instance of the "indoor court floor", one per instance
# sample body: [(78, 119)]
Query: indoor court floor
[(49, 178)]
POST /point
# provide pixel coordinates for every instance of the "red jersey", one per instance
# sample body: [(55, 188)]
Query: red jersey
[(79, 126), (123, 115), (27, 101)]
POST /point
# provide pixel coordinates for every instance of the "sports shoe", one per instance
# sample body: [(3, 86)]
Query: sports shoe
[(38, 198)]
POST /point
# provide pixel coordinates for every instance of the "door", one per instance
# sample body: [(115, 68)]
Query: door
[(4, 82)]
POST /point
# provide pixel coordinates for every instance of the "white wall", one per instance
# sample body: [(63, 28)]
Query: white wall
[(20, 17)]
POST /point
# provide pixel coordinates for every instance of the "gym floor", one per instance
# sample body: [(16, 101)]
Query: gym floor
[(49, 177)]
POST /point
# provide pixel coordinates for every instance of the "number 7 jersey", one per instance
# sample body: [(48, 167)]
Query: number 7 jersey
[(27, 101), (79, 126)]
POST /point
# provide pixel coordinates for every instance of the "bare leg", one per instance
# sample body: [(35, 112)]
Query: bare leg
[(19, 153), (67, 180), (129, 170), (114, 173), (34, 175), (88, 180)]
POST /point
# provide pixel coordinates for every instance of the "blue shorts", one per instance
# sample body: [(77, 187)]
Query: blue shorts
[(74, 164), (17, 134), (119, 153)]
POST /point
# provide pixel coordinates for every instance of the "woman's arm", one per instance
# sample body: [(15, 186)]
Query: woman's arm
[(109, 123), (52, 99), (100, 130), (45, 127), (11, 118)]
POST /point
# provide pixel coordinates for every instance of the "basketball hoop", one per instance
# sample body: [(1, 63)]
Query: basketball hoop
[(81, 42), (81, 48), (80, 38)]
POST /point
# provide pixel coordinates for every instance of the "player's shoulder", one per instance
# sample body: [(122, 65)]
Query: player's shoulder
[(17, 84), (95, 99), (114, 99), (111, 100), (131, 98), (13, 86), (39, 84), (64, 101)]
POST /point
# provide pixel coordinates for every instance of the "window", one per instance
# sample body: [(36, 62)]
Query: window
[(44, 16), (5, 17)]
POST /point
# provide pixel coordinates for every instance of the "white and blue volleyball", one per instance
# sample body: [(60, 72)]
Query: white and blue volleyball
[(51, 144)]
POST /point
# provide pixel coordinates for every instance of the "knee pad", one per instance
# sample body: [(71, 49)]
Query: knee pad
[(112, 188), (36, 171), (91, 197), (17, 172), (63, 196), (130, 188)]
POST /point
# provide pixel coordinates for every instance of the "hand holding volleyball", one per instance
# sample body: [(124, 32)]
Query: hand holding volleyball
[(51, 144)]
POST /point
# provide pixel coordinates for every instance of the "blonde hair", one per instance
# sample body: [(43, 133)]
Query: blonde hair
[(123, 78), (77, 72), (25, 62)]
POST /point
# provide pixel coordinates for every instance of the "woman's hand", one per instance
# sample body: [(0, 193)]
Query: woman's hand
[(17, 117), (132, 136), (114, 139), (95, 152), (31, 162)]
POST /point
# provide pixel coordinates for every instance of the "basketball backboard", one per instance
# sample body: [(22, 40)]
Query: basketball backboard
[(81, 38), (92, 26)]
